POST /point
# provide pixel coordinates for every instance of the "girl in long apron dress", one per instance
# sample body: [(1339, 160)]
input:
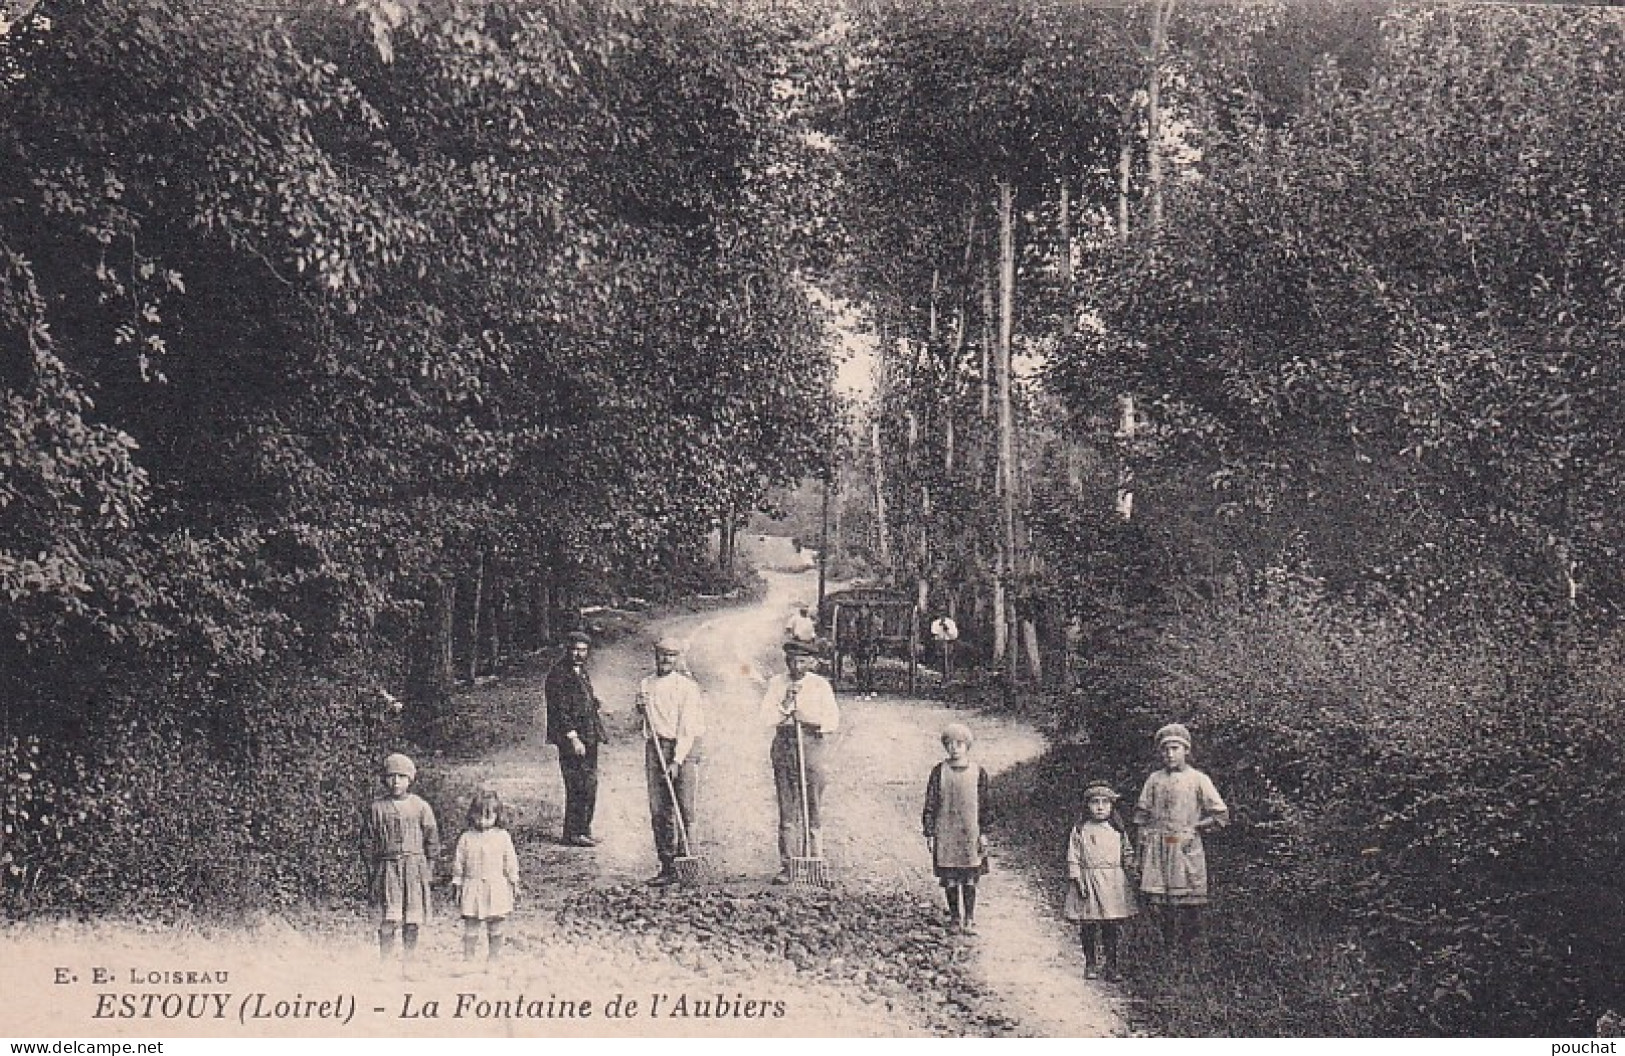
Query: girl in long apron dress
[(1177, 804)]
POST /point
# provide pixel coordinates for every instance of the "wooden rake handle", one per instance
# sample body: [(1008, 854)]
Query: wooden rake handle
[(671, 787), (806, 810)]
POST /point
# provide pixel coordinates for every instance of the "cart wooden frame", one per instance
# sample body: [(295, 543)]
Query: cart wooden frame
[(900, 617)]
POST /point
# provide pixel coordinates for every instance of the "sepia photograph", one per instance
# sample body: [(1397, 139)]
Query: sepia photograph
[(872, 519)]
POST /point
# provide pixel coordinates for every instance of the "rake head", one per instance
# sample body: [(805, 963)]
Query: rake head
[(814, 871), (689, 870)]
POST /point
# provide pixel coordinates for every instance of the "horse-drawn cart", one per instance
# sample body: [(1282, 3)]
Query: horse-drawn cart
[(867, 623)]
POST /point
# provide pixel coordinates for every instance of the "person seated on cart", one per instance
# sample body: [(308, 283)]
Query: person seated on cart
[(801, 626)]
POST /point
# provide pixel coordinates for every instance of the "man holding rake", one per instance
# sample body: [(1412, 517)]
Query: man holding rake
[(673, 709), (799, 698)]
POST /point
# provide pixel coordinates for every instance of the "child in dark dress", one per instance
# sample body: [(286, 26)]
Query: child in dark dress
[(399, 842), (956, 810)]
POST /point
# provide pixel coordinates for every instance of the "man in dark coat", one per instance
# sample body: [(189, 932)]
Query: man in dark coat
[(575, 724)]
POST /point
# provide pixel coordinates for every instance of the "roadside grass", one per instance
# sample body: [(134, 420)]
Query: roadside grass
[(1259, 969)]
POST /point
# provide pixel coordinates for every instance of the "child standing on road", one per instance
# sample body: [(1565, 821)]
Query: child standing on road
[(1099, 862), (956, 809), (399, 843), (1177, 804), (485, 874)]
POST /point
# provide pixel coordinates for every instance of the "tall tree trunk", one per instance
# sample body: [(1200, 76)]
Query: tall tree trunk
[(1161, 13), (987, 445), (948, 394), (823, 544), (1000, 615), (429, 675), (443, 632), (542, 595), (919, 472), (885, 354), (931, 317), (1029, 639), (474, 616), (497, 617), (725, 540), (1007, 491), (837, 540), (1125, 471), (1025, 555), (882, 529), (922, 554), (1125, 168), (956, 345), (1566, 568), (988, 318), (922, 581), (1068, 290)]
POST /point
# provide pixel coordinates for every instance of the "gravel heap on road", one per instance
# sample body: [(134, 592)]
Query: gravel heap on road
[(884, 948)]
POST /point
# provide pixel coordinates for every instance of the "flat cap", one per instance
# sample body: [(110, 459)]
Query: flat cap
[(1174, 731), (578, 638), (671, 646)]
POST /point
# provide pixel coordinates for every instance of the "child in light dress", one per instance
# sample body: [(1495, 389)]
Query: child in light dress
[(485, 875), (956, 810), (1177, 805), (399, 844), (1099, 867)]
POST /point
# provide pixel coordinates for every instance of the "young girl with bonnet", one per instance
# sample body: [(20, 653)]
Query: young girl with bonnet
[(1099, 863)]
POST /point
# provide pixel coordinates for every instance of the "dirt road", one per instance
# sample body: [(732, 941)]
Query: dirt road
[(588, 929)]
